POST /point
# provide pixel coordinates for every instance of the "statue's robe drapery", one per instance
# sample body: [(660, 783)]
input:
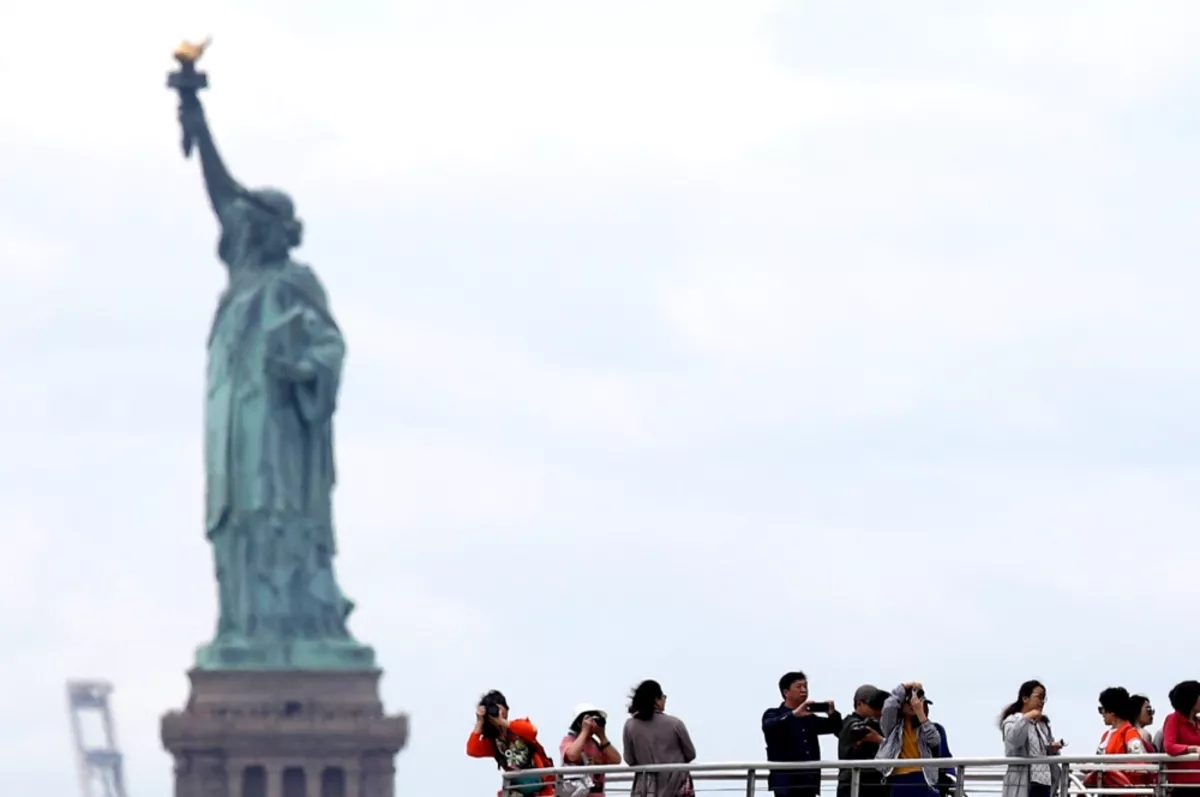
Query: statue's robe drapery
[(269, 457)]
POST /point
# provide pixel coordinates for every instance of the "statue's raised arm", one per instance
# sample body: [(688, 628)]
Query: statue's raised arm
[(222, 188)]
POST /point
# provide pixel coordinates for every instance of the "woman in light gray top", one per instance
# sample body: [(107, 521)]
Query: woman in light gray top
[(652, 737), (1027, 734)]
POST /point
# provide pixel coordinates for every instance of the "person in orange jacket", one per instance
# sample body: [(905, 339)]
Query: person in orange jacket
[(1121, 738), (512, 744)]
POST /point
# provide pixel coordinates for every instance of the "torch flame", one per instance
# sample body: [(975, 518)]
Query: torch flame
[(189, 52)]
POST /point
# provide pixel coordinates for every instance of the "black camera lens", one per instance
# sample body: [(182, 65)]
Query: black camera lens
[(493, 710)]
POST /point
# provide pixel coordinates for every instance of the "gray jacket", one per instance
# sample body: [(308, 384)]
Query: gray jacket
[(662, 739), (892, 722), (1025, 739)]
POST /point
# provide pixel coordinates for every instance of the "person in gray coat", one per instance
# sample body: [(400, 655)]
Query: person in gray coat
[(908, 733), (1027, 734), (652, 737)]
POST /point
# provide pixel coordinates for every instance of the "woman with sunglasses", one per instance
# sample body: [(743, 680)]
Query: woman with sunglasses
[(1143, 718), (1121, 738)]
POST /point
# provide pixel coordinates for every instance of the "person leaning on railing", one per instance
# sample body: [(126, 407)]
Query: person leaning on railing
[(1143, 718), (654, 737), (1121, 738), (1181, 734), (1026, 733), (512, 744), (908, 733)]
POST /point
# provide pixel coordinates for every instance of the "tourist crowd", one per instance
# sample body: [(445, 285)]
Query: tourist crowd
[(883, 725)]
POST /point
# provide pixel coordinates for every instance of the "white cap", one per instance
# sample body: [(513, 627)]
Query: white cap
[(587, 708)]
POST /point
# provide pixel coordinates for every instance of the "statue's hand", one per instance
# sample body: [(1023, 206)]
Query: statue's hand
[(290, 371)]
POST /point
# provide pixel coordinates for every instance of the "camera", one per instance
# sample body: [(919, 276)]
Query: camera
[(599, 720), (818, 708), (908, 694), (492, 702)]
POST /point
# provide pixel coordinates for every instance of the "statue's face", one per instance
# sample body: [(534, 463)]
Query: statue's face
[(262, 229), (269, 238)]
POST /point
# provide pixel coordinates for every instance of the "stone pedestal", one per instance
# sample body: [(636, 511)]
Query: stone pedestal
[(284, 734)]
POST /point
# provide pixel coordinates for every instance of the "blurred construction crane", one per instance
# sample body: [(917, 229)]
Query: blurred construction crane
[(100, 770)]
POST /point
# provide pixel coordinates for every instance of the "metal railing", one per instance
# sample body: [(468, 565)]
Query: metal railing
[(973, 776)]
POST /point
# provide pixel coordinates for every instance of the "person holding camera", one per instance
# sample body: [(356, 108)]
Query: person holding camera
[(791, 732), (859, 740), (512, 744), (908, 733), (586, 744)]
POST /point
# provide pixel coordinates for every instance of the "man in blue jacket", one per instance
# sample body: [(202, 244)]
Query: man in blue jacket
[(791, 732)]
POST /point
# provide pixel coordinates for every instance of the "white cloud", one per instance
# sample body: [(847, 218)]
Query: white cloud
[(474, 369)]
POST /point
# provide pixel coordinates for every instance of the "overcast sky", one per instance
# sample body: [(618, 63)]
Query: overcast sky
[(688, 340)]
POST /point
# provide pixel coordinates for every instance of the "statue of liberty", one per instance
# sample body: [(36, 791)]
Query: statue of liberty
[(275, 357)]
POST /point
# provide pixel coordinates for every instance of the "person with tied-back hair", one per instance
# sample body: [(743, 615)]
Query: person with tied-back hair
[(1181, 733), (1120, 738), (1026, 733), (654, 737)]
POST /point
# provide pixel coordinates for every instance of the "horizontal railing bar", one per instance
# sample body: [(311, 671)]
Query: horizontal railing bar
[(938, 763), (831, 777)]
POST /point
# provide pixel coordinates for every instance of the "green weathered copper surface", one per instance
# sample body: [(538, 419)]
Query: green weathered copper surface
[(275, 357)]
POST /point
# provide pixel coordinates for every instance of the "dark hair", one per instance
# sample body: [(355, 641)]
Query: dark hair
[(494, 697), (1115, 700), (1023, 693), (789, 678), (1183, 697), (1136, 704), (643, 700)]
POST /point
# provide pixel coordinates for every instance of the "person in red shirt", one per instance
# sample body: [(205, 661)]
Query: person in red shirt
[(513, 744), (1181, 735)]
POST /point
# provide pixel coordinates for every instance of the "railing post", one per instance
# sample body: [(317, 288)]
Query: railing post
[(855, 781), (750, 784), (1160, 787), (960, 781)]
